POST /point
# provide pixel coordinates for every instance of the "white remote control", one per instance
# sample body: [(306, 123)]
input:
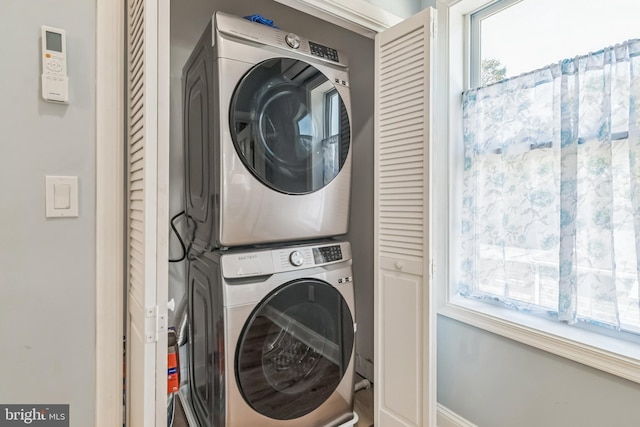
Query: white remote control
[(55, 83)]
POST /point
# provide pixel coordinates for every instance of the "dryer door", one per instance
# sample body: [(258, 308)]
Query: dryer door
[(290, 126), (294, 349)]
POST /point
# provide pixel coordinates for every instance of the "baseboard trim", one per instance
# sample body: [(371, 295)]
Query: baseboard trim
[(448, 418)]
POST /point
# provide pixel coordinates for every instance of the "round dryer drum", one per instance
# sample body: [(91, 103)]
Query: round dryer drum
[(294, 349), (290, 126)]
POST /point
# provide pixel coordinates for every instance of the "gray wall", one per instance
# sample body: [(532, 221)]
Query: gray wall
[(188, 20), (47, 266), (496, 382)]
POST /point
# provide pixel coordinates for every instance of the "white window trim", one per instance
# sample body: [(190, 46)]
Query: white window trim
[(607, 354)]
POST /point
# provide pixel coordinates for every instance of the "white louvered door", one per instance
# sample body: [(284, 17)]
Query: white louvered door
[(404, 321), (147, 231)]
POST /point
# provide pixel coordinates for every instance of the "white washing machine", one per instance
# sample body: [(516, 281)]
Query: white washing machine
[(271, 340), (266, 136)]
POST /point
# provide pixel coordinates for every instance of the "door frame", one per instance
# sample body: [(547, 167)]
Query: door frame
[(110, 207)]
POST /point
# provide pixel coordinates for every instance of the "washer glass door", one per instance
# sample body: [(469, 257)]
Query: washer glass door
[(294, 349), (290, 126)]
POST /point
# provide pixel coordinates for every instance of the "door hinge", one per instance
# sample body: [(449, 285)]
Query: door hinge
[(155, 324), (432, 268)]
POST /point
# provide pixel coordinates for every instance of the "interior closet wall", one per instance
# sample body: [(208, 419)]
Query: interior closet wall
[(47, 265), (188, 20)]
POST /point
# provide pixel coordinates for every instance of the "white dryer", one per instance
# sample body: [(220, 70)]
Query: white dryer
[(266, 136), (272, 337)]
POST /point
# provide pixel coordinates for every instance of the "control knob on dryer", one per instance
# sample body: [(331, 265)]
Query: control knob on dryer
[(292, 40), (296, 258)]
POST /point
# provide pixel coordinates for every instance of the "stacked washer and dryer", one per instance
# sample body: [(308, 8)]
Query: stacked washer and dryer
[(267, 173)]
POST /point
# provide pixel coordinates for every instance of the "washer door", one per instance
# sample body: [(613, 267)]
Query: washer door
[(290, 126), (294, 349)]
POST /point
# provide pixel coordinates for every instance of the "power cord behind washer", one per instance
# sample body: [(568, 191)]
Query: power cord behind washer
[(175, 230)]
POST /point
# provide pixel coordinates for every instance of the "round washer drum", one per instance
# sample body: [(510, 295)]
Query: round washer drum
[(294, 349)]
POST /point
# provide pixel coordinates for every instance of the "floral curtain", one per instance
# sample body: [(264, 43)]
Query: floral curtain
[(550, 190)]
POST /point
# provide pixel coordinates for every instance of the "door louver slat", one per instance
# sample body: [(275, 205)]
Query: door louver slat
[(401, 137)]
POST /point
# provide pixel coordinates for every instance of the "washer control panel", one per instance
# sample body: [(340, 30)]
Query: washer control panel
[(327, 254), (324, 51), (270, 261), (307, 256)]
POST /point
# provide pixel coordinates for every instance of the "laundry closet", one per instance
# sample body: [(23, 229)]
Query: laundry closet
[(386, 252), (188, 22)]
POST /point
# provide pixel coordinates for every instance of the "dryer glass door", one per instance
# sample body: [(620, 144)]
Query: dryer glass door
[(290, 126), (294, 349)]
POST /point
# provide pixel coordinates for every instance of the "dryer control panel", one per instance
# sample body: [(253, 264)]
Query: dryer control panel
[(241, 28), (324, 51)]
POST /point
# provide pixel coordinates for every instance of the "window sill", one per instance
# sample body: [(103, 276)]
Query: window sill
[(617, 357)]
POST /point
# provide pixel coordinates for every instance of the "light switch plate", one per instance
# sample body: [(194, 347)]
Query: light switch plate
[(61, 196)]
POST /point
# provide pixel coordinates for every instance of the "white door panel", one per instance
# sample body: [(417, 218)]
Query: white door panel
[(147, 212), (404, 324)]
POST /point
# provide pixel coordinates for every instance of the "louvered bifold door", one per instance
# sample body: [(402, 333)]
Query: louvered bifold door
[(146, 343), (404, 358)]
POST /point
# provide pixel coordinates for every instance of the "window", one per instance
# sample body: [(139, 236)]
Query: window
[(510, 37), (515, 266)]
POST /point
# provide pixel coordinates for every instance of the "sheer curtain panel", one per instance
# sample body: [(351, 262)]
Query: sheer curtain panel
[(550, 199)]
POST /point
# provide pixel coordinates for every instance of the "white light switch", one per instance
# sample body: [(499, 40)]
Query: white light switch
[(61, 196)]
